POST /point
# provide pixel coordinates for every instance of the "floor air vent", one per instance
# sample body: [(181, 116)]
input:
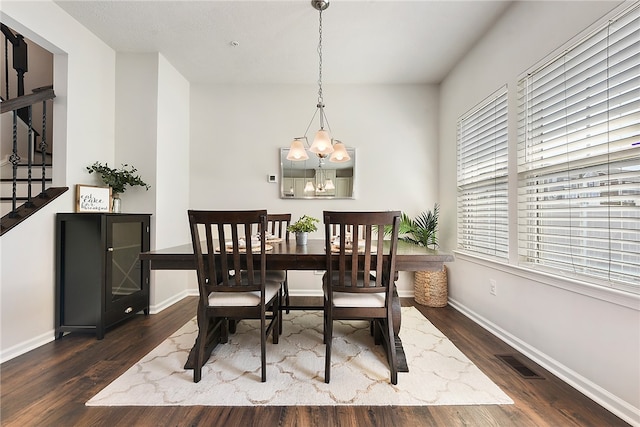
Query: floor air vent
[(519, 367)]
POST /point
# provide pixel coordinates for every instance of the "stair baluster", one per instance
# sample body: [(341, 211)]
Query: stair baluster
[(20, 213), (15, 160)]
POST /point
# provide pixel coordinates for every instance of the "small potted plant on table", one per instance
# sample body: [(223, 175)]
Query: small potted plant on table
[(302, 227)]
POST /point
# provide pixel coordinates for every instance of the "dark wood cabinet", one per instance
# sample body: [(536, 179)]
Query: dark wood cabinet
[(100, 279)]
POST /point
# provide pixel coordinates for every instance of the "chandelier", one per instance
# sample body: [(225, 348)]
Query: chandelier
[(323, 144), (323, 182)]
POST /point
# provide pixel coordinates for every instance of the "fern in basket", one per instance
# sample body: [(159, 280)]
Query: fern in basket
[(420, 231)]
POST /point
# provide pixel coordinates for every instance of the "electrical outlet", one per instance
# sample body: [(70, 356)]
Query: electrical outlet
[(492, 286)]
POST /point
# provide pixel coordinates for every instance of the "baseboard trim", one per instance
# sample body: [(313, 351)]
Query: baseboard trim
[(305, 293), (26, 346), (157, 308), (599, 395)]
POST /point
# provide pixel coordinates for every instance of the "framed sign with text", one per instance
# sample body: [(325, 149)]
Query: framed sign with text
[(93, 199)]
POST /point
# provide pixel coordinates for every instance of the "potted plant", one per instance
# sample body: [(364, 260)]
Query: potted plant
[(118, 180), (302, 227), (421, 230), (430, 287)]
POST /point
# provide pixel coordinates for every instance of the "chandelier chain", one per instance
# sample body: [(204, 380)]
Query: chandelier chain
[(320, 99)]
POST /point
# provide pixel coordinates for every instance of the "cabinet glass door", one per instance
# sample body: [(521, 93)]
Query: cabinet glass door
[(126, 276)]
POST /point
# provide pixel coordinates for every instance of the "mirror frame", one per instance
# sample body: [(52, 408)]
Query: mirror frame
[(310, 166)]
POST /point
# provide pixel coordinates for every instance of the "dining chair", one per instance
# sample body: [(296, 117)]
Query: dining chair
[(359, 278), (223, 245), (278, 226)]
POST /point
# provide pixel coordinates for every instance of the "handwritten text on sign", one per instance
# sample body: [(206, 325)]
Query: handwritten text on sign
[(92, 199)]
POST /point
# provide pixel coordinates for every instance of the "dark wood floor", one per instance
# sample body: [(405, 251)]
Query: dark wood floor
[(50, 385)]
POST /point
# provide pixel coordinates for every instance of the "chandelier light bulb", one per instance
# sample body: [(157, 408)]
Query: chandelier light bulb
[(322, 143), (297, 150), (328, 185), (340, 153)]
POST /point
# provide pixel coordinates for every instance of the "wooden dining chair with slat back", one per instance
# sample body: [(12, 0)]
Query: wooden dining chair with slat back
[(223, 245), (360, 284)]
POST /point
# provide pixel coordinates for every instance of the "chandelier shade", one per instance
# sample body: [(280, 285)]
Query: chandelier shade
[(328, 185), (322, 144), (297, 150), (340, 153)]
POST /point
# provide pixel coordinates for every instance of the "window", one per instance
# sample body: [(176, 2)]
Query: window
[(579, 159), (482, 179)]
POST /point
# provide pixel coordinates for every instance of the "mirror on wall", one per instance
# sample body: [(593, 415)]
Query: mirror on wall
[(316, 178)]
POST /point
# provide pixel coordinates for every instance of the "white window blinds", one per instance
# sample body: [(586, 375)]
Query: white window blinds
[(482, 179), (579, 159)]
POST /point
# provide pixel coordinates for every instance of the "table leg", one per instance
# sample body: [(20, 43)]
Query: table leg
[(397, 320), (215, 340)]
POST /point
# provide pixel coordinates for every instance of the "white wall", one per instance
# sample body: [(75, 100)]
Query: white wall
[(172, 181), (152, 133), (237, 131), (27, 275), (589, 337)]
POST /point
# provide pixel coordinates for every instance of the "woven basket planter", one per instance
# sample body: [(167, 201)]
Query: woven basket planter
[(430, 288)]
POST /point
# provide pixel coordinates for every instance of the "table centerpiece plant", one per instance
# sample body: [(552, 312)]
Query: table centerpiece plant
[(118, 179), (302, 227)]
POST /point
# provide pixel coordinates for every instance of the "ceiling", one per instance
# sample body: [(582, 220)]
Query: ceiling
[(364, 42)]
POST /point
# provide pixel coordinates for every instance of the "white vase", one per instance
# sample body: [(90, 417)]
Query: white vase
[(116, 206), (301, 238)]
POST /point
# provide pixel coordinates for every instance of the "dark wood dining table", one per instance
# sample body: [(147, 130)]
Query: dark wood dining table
[(286, 255)]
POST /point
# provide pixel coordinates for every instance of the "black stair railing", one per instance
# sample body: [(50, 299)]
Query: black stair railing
[(25, 103), (21, 108), (31, 204)]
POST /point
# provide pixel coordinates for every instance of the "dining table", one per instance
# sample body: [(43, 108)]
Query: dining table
[(287, 255)]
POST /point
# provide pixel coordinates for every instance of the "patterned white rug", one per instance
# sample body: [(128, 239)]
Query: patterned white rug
[(439, 374)]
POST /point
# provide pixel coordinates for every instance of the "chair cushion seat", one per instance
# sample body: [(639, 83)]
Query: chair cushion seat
[(246, 299), (354, 299)]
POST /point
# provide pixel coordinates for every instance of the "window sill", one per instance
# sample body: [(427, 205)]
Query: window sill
[(611, 295)]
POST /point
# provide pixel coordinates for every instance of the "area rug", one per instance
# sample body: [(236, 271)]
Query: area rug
[(439, 374)]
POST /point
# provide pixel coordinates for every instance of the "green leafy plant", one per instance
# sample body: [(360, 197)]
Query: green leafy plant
[(421, 230), (305, 224), (118, 179)]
